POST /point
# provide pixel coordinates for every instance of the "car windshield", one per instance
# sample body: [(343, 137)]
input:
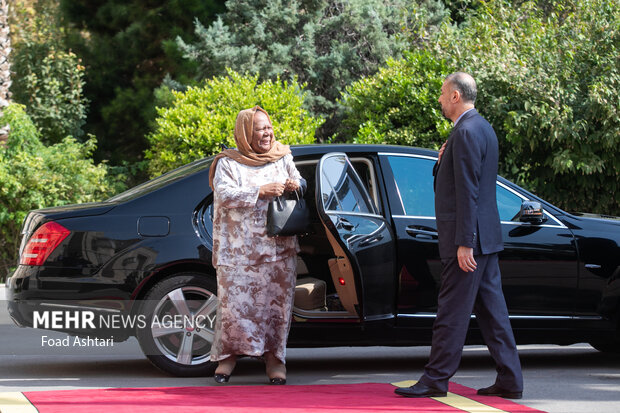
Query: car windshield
[(163, 180)]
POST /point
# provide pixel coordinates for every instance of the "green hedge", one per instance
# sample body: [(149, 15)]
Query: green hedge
[(548, 81), (33, 175), (198, 120), (398, 105)]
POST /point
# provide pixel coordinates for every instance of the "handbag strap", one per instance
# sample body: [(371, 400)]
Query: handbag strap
[(279, 205), (278, 199)]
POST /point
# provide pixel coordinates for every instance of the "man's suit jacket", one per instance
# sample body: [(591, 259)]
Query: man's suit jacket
[(465, 197)]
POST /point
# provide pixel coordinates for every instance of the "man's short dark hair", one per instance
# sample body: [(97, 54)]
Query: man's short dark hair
[(465, 84)]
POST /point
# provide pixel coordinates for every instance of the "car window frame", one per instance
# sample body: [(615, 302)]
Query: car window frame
[(556, 223), (352, 175), (372, 192)]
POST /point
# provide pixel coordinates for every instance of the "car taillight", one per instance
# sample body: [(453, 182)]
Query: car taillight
[(42, 243)]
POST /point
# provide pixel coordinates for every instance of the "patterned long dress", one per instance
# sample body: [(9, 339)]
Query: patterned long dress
[(255, 273)]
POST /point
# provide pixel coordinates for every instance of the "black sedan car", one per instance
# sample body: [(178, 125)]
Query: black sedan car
[(368, 270)]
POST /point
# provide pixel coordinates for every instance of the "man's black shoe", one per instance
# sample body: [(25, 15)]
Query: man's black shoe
[(495, 390), (420, 390)]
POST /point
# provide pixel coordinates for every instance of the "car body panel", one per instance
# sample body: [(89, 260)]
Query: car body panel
[(561, 278)]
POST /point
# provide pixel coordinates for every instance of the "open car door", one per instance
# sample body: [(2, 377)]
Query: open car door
[(362, 240)]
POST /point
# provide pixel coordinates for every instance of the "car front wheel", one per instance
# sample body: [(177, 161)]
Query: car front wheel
[(179, 314)]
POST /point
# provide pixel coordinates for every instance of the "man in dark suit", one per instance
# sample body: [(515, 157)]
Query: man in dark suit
[(470, 236)]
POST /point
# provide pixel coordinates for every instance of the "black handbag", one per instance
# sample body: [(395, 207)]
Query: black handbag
[(287, 217)]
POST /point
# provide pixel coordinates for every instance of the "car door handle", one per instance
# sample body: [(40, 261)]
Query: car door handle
[(421, 233), (371, 240), (344, 224)]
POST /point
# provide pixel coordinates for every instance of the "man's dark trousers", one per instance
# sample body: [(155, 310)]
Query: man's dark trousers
[(462, 292)]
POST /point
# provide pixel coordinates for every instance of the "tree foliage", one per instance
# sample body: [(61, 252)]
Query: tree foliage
[(48, 78), (548, 77), (548, 81), (33, 175), (128, 48), (5, 65), (203, 117), (398, 105), (326, 44)]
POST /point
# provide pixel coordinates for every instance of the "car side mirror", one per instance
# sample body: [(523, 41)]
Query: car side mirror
[(531, 212)]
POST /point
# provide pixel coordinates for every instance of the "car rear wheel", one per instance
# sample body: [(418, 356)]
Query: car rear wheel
[(179, 314)]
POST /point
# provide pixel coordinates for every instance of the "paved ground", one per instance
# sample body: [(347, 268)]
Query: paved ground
[(576, 378)]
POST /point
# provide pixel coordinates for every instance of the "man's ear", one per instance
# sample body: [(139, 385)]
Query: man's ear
[(456, 96)]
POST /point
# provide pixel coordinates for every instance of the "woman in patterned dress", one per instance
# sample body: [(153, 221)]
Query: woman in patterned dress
[(255, 273)]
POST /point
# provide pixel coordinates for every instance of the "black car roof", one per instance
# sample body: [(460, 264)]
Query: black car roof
[(303, 150)]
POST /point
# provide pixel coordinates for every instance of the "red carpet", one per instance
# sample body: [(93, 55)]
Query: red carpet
[(345, 398)]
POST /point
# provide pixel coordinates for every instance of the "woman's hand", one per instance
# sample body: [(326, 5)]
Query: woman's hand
[(271, 190), (291, 185)]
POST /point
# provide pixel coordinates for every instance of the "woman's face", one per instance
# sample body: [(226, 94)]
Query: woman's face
[(262, 133)]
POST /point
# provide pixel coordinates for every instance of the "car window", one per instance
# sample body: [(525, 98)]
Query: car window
[(163, 180), (341, 189), (414, 181), (363, 167), (508, 204), (365, 172)]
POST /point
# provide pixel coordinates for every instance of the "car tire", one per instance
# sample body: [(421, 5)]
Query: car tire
[(179, 315)]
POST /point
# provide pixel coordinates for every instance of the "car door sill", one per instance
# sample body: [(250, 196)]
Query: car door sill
[(512, 317), (322, 314)]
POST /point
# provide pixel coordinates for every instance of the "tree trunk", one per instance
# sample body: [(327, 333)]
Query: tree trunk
[(5, 67)]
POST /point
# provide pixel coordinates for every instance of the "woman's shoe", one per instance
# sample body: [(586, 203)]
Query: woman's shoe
[(276, 370), (224, 369), (221, 378)]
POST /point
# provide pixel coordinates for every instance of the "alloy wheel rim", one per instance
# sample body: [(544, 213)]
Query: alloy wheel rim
[(183, 325)]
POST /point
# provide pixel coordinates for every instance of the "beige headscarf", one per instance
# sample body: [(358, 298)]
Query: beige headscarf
[(244, 130)]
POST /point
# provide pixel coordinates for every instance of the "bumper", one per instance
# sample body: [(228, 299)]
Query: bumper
[(16, 308), (25, 296)]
